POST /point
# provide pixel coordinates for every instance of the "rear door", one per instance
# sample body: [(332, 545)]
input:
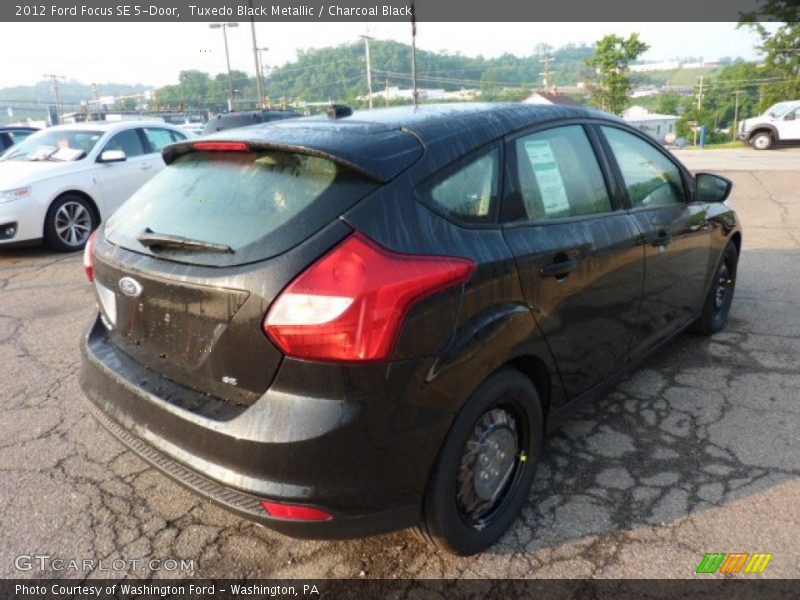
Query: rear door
[(577, 252), (676, 234)]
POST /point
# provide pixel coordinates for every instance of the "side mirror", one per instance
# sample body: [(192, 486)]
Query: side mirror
[(790, 116), (111, 156), (712, 188)]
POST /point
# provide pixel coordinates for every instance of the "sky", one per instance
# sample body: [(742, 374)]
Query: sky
[(154, 53)]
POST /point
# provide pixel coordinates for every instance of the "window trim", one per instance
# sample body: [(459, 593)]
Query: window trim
[(421, 190), (513, 192), (686, 178)]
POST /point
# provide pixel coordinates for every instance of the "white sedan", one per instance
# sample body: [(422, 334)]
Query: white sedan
[(60, 183)]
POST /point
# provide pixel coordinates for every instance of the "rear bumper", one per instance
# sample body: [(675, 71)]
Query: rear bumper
[(343, 439)]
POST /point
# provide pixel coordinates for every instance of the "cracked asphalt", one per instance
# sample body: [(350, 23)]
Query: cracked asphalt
[(697, 451)]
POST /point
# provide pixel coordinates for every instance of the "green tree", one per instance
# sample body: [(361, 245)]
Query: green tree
[(738, 86), (128, 104), (490, 86), (612, 57), (669, 104), (781, 47)]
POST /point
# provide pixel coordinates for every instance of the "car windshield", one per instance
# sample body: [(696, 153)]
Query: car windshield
[(780, 109), (61, 144)]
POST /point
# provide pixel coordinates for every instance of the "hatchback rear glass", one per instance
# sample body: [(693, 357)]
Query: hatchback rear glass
[(259, 204)]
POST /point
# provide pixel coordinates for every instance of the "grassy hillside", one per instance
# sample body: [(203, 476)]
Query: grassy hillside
[(31, 101)]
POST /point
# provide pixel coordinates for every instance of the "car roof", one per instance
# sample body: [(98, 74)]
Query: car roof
[(108, 125), (384, 142)]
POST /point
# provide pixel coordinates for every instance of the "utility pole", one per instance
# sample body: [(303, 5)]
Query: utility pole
[(96, 92), (700, 95), (548, 73), (386, 93), (367, 39), (259, 83), (267, 102), (224, 27), (735, 115), (414, 52), (56, 92)]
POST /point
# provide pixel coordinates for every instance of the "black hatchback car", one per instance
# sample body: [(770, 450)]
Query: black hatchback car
[(343, 326)]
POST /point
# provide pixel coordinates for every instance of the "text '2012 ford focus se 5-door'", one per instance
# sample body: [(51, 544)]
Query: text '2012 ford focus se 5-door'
[(343, 326)]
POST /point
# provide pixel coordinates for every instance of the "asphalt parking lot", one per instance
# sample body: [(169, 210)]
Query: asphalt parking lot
[(697, 451)]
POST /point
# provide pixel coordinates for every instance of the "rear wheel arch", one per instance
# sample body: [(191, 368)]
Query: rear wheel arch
[(535, 369)]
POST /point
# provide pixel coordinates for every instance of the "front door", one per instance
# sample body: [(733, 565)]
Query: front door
[(676, 235)]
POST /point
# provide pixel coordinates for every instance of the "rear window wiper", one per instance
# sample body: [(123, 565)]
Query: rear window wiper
[(152, 239)]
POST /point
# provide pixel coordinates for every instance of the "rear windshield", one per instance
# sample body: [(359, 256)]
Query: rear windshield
[(259, 204)]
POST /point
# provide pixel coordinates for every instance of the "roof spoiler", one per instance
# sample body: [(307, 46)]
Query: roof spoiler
[(174, 151)]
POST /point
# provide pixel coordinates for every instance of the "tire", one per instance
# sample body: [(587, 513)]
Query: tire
[(762, 141), (505, 407), (717, 305), (69, 221)]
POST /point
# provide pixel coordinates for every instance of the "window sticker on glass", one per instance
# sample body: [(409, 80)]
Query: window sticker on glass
[(548, 176)]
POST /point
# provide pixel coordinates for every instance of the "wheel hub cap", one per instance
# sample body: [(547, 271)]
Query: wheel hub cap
[(487, 465), (723, 283), (73, 223), (495, 460)]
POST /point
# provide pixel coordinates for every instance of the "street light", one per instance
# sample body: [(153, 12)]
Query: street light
[(224, 27)]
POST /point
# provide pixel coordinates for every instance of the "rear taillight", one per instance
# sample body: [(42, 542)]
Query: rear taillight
[(88, 256), (295, 512), (350, 304)]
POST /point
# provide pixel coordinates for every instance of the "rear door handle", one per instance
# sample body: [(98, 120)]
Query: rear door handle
[(559, 269)]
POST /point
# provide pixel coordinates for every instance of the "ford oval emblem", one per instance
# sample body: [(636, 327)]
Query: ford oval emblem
[(130, 287)]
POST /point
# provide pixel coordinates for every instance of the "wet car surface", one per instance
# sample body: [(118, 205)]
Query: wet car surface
[(338, 327), (613, 499)]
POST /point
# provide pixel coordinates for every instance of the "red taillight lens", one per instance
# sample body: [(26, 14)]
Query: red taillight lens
[(88, 256), (350, 304), (291, 511), (221, 146)]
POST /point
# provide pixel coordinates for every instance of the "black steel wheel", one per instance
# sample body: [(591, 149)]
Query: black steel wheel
[(717, 305), (485, 468)]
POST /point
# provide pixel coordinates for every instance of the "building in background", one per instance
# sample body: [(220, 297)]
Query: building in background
[(655, 125), (550, 98)]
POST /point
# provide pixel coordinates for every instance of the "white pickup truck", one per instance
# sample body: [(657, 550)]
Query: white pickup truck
[(780, 123)]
